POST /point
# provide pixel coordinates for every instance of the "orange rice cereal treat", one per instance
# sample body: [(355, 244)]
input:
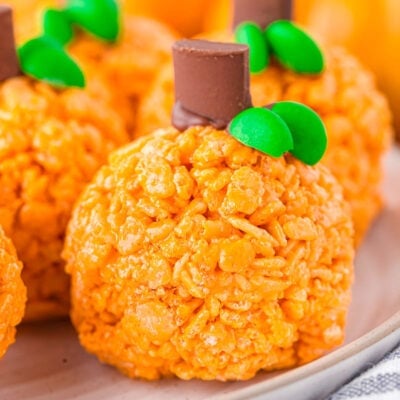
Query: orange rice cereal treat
[(52, 143), (344, 94), (195, 255), (12, 292)]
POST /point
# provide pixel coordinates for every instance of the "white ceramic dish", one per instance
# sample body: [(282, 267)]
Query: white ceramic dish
[(48, 363)]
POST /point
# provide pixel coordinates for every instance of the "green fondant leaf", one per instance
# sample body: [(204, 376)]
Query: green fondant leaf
[(263, 130), (57, 26), (99, 17), (253, 36), (307, 129), (294, 48), (45, 59)]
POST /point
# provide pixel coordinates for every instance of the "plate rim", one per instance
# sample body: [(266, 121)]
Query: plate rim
[(384, 330)]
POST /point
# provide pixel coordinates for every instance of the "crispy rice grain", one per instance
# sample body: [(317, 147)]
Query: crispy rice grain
[(201, 281), (51, 144), (12, 292), (356, 115)]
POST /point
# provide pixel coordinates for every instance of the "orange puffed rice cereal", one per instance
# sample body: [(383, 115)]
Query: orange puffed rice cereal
[(52, 143), (128, 67), (12, 292), (193, 255), (356, 116)]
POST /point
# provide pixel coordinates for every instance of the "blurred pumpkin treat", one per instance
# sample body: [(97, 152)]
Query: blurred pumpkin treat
[(213, 249), (185, 16), (287, 64), (12, 292), (54, 136), (120, 58), (361, 22)]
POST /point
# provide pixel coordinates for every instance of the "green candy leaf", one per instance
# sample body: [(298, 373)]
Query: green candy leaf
[(294, 49), (307, 129), (99, 17), (262, 130), (45, 59), (57, 26), (253, 36)]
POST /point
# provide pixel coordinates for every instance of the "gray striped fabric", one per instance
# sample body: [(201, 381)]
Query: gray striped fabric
[(380, 382)]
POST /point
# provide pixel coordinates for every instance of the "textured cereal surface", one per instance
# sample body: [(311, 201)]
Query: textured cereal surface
[(51, 144), (129, 67), (12, 292), (356, 115), (195, 256)]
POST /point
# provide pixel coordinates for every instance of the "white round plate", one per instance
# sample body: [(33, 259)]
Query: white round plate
[(47, 362)]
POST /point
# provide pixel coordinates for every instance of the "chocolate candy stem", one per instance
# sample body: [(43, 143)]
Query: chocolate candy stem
[(9, 65), (262, 12), (211, 83)]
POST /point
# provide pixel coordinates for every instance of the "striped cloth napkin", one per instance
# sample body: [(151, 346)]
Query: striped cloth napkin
[(380, 382)]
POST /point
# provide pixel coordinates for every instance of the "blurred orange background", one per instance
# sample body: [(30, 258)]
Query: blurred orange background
[(370, 29)]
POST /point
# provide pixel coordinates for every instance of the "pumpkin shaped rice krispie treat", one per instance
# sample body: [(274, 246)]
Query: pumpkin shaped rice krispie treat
[(53, 140), (12, 292), (334, 84), (120, 58), (195, 255)]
